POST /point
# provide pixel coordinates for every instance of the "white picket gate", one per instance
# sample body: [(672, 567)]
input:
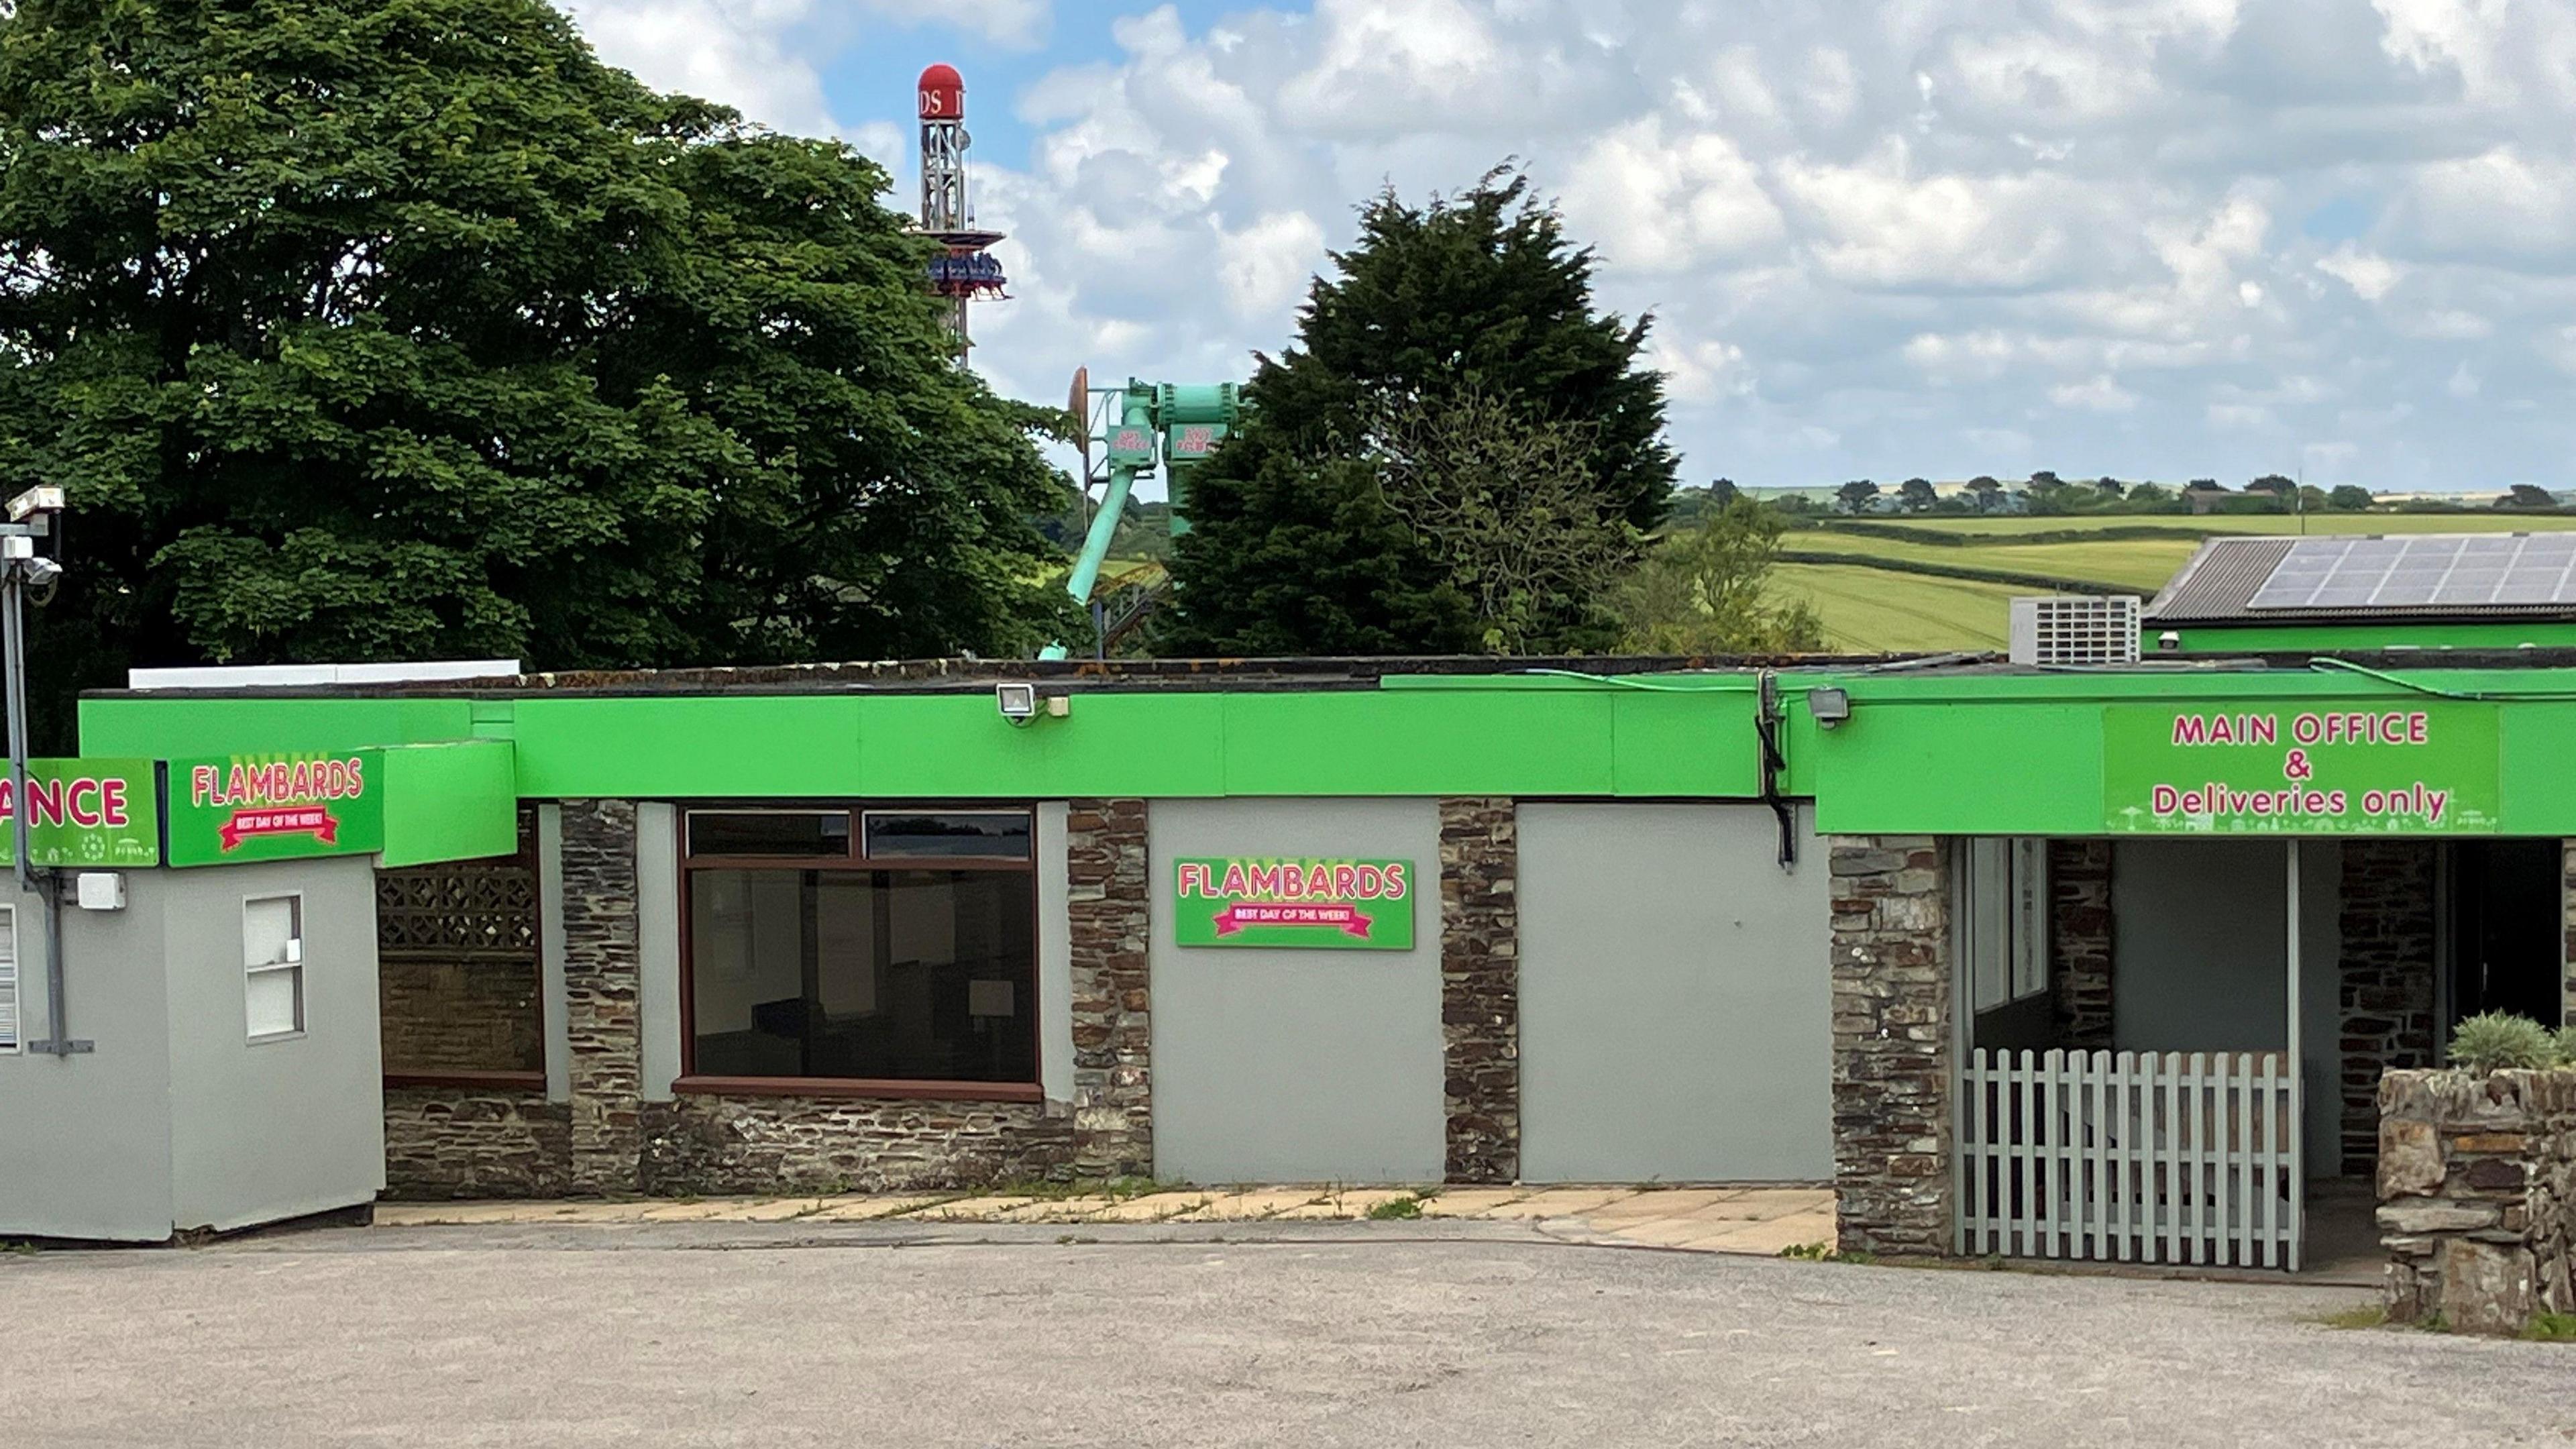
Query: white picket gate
[(2131, 1157)]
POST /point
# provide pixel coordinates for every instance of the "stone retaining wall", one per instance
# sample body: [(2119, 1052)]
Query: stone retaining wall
[(704, 1143), (1109, 900), (1480, 987), (1893, 1061), (452, 1142), (2477, 1196)]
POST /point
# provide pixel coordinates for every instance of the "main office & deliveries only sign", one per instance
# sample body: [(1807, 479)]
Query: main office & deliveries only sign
[(1332, 904), (2427, 768)]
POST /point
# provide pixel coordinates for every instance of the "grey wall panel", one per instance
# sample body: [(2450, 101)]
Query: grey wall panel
[(275, 1129), (1055, 956), (556, 1008), (85, 1140), (1676, 1003), (1297, 1065), (2199, 946), (657, 937)]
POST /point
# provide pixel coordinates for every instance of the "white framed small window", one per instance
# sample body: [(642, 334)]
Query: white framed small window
[(2005, 920), (273, 966), (11, 1039)]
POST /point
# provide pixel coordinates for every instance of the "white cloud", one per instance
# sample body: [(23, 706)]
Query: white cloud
[(2370, 275), (2150, 238), (733, 51), (2100, 393)]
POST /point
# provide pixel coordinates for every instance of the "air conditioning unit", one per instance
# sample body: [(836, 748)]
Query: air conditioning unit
[(2075, 629)]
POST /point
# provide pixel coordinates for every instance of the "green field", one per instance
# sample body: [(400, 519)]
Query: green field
[(1872, 605)]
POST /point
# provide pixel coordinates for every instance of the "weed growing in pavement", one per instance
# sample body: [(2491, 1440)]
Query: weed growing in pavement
[(2366, 1315), (2552, 1328), (1395, 1209), (1826, 1253)]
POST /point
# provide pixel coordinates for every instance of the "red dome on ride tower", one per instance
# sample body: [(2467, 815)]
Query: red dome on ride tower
[(943, 94)]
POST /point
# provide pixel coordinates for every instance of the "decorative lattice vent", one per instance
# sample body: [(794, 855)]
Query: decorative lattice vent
[(2075, 629)]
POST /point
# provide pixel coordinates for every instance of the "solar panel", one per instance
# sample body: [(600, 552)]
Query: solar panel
[(2433, 571)]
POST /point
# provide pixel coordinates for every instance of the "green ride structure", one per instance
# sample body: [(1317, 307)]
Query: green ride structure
[(1133, 431)]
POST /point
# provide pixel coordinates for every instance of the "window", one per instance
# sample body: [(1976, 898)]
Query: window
[(10, 1041), (2004, 923), (905, 962), (273, 966)]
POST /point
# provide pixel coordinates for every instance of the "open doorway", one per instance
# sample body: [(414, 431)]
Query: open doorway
[(2503, 928)]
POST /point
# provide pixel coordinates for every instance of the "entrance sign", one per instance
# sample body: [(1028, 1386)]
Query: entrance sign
[(96, 813), (276, 807), (2418, 768), (1333, 904)]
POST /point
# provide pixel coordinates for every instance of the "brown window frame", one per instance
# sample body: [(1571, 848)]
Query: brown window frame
[(857, 859), (529, 854)]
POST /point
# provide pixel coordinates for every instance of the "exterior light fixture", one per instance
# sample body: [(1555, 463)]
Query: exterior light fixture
[(1017, 702), (1828, 707), (2169, 641)]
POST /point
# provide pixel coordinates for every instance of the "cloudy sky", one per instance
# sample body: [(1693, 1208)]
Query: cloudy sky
[(2150, 238)]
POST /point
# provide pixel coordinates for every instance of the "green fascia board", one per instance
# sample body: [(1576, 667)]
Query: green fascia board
[(450, 802), (2258, 638), (2026, 758), (184, 727), (1498, 735)]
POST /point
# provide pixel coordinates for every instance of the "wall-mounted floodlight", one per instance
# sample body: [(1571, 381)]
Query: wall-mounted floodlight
[(1017, 702), (40, 499), (1828, 707), (2170, 641)]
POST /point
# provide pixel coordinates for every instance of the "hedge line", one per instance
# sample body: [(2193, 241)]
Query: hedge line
[(1954, 538), (1956, 571)]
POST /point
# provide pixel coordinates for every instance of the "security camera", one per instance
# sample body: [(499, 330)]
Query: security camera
[(43, 499), (1017, 702)]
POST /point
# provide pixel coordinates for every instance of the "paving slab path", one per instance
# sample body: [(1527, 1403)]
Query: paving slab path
[(1754, 1220)]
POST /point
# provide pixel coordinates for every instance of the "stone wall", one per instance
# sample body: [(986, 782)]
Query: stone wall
[(459, 1015), (1892, 1048), (2079, 927), (600, 975), (1480, 987), (1110, 903), (2387, 978), (451, 1142), (2477, 1196), (702, 1143)]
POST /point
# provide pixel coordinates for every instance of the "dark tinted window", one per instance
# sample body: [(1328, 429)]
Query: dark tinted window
[(769, 832), (920, 975), (947, 834)]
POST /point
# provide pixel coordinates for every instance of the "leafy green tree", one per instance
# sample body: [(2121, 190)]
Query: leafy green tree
[(2527, 495), (1506, 502), (1917, 495), (2111, 489), (1986, 492), (1723, 493), (2348, 498), (1293, 546), (2274, 484), (1855, 495), (1709, 591), (390, 329), (2150, 497)]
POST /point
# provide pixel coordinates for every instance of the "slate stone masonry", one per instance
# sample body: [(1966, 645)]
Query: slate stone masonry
[(2567, 916), (1110, 902), (1892, 1043), (458, 1142), (707, 1143), (2079, 914), (600, 971), (2477, 1197), (2387, 1001), (1480, 987)]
